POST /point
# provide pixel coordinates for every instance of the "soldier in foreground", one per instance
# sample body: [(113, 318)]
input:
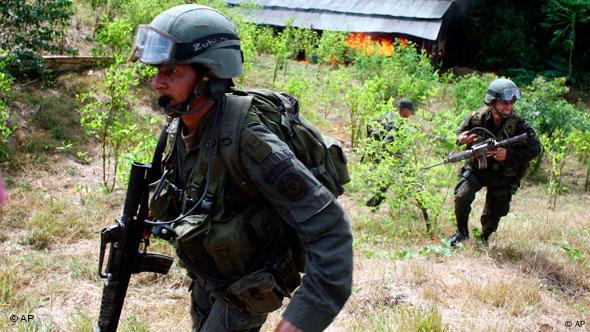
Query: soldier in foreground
[(505, 166), (238, 241), (382, 129)]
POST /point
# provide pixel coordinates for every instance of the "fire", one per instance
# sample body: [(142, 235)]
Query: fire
[(369, 44), (403, 42)]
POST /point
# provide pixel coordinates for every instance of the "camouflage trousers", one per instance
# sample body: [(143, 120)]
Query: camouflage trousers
[(210, 313), (499, 193)]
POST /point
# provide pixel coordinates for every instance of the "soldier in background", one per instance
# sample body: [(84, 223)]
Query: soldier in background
[(382, 129), (505, 166)]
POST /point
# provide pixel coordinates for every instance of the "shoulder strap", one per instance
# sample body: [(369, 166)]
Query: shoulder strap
[(159, 152), (478, 117), (232, 123), (171, 133)]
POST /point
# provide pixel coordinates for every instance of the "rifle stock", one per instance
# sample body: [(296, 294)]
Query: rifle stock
[(125, 256)]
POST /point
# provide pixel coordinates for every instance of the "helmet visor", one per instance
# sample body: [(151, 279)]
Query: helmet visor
[(510, 94), (153, 46)]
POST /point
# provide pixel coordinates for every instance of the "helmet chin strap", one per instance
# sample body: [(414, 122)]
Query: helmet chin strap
[(184, 107), (212, 88)]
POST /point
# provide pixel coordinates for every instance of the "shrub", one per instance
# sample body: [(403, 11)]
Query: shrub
[(5, 127), (107, 114), (558, 123), (30, 28)]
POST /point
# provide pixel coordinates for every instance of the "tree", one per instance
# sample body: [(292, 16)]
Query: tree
[(30, 28), (565, 17)]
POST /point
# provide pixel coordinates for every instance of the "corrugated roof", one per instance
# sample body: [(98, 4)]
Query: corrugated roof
[(420, 18), (425, 9)]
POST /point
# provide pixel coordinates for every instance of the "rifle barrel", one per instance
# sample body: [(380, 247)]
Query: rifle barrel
[(433, 165)]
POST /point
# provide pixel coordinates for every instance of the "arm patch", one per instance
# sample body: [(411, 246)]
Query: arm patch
[(293, 187)]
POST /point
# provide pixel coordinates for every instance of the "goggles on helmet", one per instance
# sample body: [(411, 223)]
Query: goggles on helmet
[(153, 46), (506, 94)]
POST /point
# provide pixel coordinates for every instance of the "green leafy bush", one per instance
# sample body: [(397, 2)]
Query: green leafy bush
[(468, 93), (30, 28), (5, 127), (107, 115), (559, 124), (331, 47)]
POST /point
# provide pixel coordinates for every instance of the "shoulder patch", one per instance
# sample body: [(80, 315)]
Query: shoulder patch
[(293, 186), (255, 147)]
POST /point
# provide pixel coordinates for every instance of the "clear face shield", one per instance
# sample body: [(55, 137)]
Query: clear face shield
[(153, 46)]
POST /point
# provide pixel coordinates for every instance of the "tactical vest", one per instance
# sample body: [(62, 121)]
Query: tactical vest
[(478, 119), (225, 247)]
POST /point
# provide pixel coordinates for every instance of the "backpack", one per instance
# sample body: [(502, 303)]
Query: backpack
[(279, 112)]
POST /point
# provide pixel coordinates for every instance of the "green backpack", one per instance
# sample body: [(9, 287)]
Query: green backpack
[(279, 112)]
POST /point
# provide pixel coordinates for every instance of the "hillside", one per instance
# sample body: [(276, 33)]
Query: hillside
[(534, 276)]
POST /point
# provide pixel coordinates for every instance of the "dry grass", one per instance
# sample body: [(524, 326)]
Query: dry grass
[(523, 281), (514, 295)]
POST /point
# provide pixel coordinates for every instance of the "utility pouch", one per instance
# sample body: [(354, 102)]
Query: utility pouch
[(231, 246), (256, 293), (164, 199), (337, 158), (189, 228), (266, 224)]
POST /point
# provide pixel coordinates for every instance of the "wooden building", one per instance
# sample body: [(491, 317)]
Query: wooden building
[(428, 23)]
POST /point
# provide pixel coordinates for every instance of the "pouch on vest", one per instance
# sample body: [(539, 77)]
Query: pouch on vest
[(164, 199), (189, 233), (189, 228), (256, 293), (231, 246)]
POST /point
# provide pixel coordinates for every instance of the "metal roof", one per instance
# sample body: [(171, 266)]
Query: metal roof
[(419, 18)]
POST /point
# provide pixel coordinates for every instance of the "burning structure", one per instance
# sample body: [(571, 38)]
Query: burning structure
[(428, 23)]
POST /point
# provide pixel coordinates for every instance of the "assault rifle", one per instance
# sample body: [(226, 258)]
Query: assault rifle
[(128, 239), (479, 151)]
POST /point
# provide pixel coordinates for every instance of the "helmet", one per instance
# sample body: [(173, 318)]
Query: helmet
[(502, 88), (406, 103), (190, 34)]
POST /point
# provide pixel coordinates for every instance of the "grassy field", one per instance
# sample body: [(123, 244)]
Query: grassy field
[(534, 276)]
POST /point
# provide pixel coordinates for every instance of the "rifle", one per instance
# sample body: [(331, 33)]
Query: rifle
[(126, 257), (480, 151)]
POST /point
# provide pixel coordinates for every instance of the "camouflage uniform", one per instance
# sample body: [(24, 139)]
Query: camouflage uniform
[(502, 178), (243, 245), (306, 206)]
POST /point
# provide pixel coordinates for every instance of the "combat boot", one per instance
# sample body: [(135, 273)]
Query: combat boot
[(457, 237), (483, 239)]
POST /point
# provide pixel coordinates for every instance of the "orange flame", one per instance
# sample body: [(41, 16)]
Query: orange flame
[(369, 44), (403, 42)]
